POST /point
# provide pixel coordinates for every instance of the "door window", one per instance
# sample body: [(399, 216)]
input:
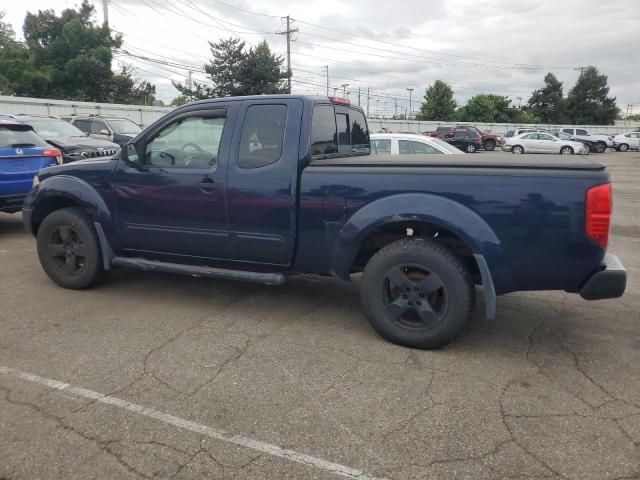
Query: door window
[(544, 136), (191, 142), (84, 125), (380, 146), (582, 132), (262, 135), (409, 147), (568, 130)]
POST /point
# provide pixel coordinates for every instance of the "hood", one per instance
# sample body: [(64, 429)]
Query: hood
[(96, 166), (80, 143)]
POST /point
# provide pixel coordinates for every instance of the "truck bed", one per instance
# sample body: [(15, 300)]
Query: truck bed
[(482, 160)]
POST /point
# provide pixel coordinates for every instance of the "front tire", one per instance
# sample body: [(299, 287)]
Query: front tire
[(601, 147), (417, 293), (566, 150), (471, 148), (517, 150), (623, 147), (69, 250)]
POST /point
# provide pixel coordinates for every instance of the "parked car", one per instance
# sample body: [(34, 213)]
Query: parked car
[(589, 145), (439, 132), (464, 139), (488, 139), (626, 141), (22, 154), (72, 142), (114, 129), (540, 142), (191, 195), (409, 144), (599, 143)]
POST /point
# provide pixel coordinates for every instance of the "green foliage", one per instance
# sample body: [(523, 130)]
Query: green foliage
[(438, 103), (547, 103), (179, 100), (488, 109), (235, 72), (67, 57), (588, 102)]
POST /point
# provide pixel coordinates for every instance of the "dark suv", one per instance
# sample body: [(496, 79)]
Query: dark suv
[(73, 143), (114, 129)]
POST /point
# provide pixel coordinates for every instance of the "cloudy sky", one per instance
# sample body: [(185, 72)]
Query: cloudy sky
[(478, 46)]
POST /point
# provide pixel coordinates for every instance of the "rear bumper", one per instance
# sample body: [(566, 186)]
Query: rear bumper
[(11, 203), (609, 282)]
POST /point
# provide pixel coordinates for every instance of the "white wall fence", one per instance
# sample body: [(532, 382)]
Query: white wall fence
[(142, 115), (396, 126), (145, 115)]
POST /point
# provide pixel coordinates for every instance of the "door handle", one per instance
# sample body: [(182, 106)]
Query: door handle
[(207, 186)]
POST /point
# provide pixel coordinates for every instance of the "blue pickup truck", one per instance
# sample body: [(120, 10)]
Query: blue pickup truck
[(22, 154), (257, 188)]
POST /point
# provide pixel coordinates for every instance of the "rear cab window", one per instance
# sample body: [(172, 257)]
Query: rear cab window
[(338, 130)]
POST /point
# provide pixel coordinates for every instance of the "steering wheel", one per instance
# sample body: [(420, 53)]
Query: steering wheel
[(188, 156)]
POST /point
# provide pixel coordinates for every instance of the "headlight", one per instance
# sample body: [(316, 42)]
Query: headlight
[(36, 182)]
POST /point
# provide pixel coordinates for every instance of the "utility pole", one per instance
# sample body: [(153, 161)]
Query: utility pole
[(105, 11), (344, 89), (358, 96), (335, 89), (288, 33), (395, 108), (410, 90), (327, 69), (519, 102), (368, 96), (189, 82)]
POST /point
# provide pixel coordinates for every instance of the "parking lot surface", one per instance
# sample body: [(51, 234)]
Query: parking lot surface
[(163, 376)]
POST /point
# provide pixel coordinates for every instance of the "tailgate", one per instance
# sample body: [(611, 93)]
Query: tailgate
[(17, 169)]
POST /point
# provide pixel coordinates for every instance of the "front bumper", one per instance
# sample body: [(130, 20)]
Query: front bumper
[(609, 282)]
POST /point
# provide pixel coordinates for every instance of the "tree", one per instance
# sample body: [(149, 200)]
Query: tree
[(235, 72), (588, 102), (67, 57), (179, 100), (488, 109), (438, 102), (7, 35), (547, 103)]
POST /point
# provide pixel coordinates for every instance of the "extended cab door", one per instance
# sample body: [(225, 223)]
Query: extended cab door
[(171, 192), (262, 181)]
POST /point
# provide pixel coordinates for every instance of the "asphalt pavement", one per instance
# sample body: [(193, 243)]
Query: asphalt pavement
[(163, 376)]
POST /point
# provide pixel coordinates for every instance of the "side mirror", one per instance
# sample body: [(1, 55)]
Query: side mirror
[(130, 153)]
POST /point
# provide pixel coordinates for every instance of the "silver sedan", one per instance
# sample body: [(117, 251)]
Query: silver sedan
[(541, 142)]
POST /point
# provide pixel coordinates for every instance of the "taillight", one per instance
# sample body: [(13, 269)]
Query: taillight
[(53, 152), (598, 214), (477, 139)]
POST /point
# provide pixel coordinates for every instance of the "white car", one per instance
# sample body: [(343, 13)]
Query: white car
[(410, 144), (540, 142), (581, 134), (626, 141)]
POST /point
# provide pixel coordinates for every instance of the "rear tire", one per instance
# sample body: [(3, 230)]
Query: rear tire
[(489, 145), (69, 250), (601, 147), (417, 293), (517, 150), (566, 150)]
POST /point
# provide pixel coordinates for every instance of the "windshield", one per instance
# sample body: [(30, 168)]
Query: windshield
[(445, 146), (52, 127), (19, 137), (124, 126)]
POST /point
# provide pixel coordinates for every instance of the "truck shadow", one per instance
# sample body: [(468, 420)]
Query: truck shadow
[(11, 223)]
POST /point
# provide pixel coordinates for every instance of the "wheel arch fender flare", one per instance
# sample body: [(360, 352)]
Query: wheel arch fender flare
[(72, 189), (423, 207)]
